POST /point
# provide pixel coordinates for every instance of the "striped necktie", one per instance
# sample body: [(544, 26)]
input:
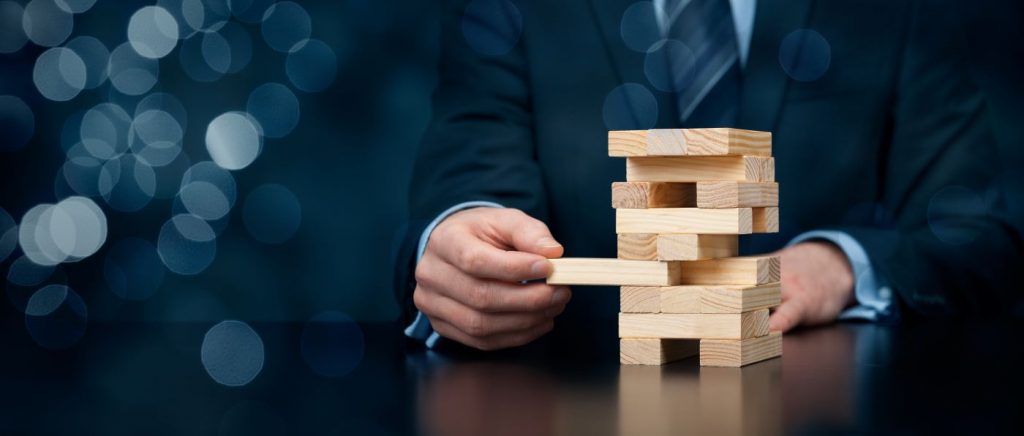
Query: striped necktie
[(702, 59)]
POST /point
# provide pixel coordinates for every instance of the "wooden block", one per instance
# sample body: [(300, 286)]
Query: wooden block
[(723, 195), (640, 299), (684, 220), (746, 270), (694, 326), (644, 351), (643, 195), (700, 169), (765, 220), (689, 142), (700, 298), (736, 299), (638, 246), (680, 299), (595, 271), (692, 246), (736, 353)]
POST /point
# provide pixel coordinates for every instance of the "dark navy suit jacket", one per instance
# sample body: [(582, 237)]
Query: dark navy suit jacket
[(890, 145)]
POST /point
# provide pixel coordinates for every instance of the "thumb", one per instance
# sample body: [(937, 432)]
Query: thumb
[(528, 234)]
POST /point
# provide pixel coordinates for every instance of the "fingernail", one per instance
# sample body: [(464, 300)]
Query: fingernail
[(540, 268), (547, 242), (560, 296)]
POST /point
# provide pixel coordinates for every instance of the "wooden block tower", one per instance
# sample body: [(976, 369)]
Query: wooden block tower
[(684, 290)]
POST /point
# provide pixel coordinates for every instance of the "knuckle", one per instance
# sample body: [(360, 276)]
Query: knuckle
[(481, 297), (475, 325), (419, 298)]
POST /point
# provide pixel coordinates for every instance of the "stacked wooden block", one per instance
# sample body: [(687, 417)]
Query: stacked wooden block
[(684, 290)]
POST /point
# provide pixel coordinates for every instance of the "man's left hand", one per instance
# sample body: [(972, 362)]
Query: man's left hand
[(817, 284)]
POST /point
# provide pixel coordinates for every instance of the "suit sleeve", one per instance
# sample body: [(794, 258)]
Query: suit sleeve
[(479, 145), (950, 247)]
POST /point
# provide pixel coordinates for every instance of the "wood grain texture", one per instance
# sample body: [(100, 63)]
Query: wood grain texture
[(684, 220), (645, 351), (689, 142), (599, 271), (680, 299), (739, 299), (693, 326), (736, 353), (700, 168), (638, 246), (643, 195), (640, 299), (764, 220), (694, 247), (699, 298), (745, 270), (722, 195)]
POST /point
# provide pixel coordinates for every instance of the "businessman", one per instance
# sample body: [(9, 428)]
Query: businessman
[(880, 138)]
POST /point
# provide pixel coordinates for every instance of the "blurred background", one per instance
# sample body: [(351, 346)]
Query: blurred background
[(203, 160)]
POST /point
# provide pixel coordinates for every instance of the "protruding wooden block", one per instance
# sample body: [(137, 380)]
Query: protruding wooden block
[(689, 142), (640, 299), (595, 271), (700, 168), (645, 351), (736, 353), (693, 326), (745, 270), (699, 298), (694, 247), (644, 195), (684, 220), (638, 246), (723, 195), (765, 220)]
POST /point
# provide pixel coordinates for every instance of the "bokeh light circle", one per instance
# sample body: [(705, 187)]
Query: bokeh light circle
[(56, 317), (272, 214), (275, 107), (234, 140), (286, 24), (17, 123), (237, 49), (46, 24), (104, 131), (669, 65), (153, 32), (133, 270), (492, 27), (33, 236), (249, 11), (630, 106), (639, 26), (79, 227), (332, 344), (131, 73), (204, 200), (311, 66), (24, 272), (232, 353), (95, 56), (12, 36), (59, 74), (164, 102), (193, 61), (805, 55), (186, 244), (954, 213), (75, 6), (156, 137)]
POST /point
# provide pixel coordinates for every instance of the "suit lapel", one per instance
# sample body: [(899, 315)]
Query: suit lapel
[(764, 81), (628, 64)]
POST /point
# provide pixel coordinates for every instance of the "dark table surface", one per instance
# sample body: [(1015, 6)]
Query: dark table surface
[(949, 377)]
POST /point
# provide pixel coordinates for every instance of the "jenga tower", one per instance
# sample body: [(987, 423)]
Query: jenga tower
[(688, 194)]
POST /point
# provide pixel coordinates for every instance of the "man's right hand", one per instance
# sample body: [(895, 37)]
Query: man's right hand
[(468, 280)]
